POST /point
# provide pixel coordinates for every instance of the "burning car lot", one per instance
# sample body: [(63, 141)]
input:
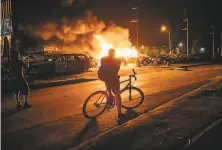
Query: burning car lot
[(52, 64), (146, 60), (86, 35)]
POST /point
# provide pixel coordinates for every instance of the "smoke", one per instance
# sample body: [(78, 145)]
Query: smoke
[(118, 36), (78, 35), (68, 3)]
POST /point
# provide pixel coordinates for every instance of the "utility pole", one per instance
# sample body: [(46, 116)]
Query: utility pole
[(168, 30), (169, 40), (187, 29), (137, 26), (221, 44), (138, 63), (213, 36)]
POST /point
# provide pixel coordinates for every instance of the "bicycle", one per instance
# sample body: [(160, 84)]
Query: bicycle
[(106, 101)]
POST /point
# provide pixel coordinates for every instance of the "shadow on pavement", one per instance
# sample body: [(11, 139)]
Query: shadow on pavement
[(91, 126), (9, 113), (129, 115)]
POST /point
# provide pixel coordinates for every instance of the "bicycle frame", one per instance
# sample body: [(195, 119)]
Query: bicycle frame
[(128, 84)]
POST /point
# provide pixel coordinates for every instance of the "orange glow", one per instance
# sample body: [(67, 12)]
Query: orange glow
[(120, 52), (86, 35), (163, 28)]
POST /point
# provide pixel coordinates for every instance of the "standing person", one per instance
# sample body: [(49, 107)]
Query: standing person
[(20, 84), (108, 72)]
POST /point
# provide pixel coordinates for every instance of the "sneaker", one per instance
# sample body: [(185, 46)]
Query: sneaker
[(19, 105), (121, 116), (27, 106)]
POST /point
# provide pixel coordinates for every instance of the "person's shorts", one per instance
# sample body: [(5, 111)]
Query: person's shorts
[(20, 85), (113, 84)]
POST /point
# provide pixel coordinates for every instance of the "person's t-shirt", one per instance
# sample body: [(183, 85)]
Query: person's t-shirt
[(109, 66)]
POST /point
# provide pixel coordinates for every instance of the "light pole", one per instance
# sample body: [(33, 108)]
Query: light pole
[(187, 35), (213, 37), (138, 64), (221, 44), (163, 29), (137, 26)]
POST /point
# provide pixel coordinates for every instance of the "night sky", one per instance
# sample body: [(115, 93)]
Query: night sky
[(152, 14)]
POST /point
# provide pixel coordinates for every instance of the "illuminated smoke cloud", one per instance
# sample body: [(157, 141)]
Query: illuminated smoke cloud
[(67, 3), (78, 35)]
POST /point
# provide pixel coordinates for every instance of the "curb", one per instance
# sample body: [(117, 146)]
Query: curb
[(99, 141), (184, 67), (59, 83), (196, 65), (54, 84), (195, 138)]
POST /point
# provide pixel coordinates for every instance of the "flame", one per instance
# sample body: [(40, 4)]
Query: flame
[(124, 52), (86, 35)]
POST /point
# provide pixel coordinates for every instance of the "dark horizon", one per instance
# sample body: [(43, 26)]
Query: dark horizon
[(152, 14)]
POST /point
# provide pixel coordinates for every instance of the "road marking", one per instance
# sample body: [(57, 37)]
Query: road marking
[(195, 138)]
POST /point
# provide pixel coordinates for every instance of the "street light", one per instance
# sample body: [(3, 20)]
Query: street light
[(164, 29), (180, 44), (142, 46)]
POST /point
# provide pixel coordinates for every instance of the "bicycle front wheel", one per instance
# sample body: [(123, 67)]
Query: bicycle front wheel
[(132, 97), (95, 104)]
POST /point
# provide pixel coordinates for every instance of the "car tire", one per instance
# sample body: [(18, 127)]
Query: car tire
[(154, 62), (164, 61), (123, 63), (144, 62)]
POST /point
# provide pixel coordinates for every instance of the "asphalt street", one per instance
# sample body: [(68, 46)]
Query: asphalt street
[(211, 140), (56, 120)]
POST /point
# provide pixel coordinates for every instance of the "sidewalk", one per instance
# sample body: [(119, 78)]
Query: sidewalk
[(167, 127)]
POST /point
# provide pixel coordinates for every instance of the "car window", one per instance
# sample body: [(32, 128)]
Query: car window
[(60, 59), (70, 58), (81, 57)]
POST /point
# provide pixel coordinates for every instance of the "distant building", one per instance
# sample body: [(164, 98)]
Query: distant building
[(6, 29)]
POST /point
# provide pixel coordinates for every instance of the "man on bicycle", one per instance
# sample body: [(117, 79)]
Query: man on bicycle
[(108, 73)]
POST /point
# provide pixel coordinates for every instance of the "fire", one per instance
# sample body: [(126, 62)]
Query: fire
[(86, 35), (120, 52)]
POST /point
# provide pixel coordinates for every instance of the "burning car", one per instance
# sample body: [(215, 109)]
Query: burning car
[(123, 60), (71, 63), (93, 62)]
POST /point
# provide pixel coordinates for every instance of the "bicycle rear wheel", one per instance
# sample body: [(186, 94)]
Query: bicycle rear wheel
[(133, 100), (95, 104)]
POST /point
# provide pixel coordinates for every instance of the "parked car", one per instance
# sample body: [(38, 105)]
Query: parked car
[(145, 60), (124, 61), (197, 57), (93, 62), (71, 63)]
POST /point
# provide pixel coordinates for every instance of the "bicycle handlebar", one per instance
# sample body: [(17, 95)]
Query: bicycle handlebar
[(134, 74)]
